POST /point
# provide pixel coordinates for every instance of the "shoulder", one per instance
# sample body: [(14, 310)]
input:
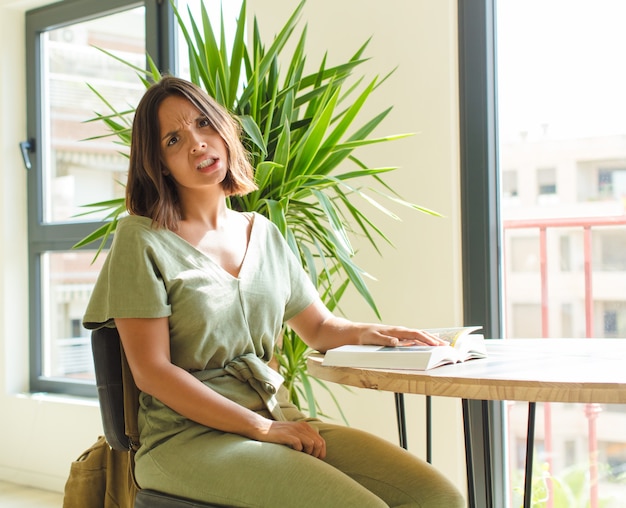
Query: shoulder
[(132, 223), (135, 232), (139, 226), (265, 227)]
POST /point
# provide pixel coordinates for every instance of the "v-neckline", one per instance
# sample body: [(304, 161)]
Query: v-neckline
[(252, 221)]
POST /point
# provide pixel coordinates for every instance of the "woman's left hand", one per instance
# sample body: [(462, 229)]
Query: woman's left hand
[(321, 330), (385, 335)]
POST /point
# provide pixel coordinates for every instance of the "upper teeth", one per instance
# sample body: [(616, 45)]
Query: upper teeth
[(206, 163)]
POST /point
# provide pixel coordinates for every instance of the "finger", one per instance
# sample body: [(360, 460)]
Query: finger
[(428, 338), (415, 339), (308, 446), (313, 443), (433, 338), (321, 449), (296, 444), (316, 447)]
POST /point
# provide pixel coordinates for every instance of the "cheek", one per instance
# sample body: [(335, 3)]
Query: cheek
[(170, 155)]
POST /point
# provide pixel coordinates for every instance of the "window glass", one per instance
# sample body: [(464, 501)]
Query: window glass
[(546, 181), (77, 162), (561, 110), (79, 167), (509, 184), (67, 279)]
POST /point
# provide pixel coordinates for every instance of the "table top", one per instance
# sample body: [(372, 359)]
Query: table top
[(539, 370)]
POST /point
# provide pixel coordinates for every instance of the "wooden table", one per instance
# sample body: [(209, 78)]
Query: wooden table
[(531, 370)]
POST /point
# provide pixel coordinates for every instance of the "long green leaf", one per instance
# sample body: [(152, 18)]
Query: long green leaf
[(315, 135), (278, 43)]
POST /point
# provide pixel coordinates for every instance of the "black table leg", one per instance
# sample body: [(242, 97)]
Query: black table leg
[(530, 446), (429, 430), (401, 418), (469, 457)]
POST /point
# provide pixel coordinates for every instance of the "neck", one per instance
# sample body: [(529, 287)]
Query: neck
[(207, 208)]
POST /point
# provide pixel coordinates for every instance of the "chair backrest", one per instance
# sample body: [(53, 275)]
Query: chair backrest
[(119, 402), (117, 392)]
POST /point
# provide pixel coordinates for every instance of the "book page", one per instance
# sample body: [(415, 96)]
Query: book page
[(452, 334)]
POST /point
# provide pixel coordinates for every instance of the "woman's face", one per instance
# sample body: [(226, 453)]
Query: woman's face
[(193, 152)]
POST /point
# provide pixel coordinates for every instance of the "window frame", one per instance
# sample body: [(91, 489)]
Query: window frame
[(481, 230), (55, 237)]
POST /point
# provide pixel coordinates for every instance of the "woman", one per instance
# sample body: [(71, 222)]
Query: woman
[(199, 293)]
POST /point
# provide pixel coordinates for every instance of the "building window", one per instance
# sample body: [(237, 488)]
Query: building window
[(546, 181), (73, 165), (611, 184), (524, 254), (565, 252), (509, 184), (613, 321), (605, 183), (609, 250)]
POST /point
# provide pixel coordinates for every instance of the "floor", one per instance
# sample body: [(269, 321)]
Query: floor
[(17, 496)]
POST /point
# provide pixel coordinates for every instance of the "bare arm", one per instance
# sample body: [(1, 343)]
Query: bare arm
[(322, 331), (147, 346)]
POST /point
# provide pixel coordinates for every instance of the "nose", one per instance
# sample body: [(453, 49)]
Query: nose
[(198, 144)]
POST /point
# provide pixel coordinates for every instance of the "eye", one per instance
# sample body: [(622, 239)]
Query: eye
[(172, 141), (204, 122)]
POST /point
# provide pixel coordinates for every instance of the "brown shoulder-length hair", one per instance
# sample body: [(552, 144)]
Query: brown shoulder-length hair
[(150, 191)]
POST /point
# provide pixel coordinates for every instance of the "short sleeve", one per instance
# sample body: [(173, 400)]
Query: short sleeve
[(302, 291), (130, 283)]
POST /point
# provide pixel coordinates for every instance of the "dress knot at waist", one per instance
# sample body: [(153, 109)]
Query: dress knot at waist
[(249, 368)]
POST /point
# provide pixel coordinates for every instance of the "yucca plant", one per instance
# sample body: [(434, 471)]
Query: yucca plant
[(301, 130)]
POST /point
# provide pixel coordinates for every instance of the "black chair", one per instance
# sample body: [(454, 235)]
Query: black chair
[(113, 377)]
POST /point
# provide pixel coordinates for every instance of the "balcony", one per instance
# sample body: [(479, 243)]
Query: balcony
[(566, 277)]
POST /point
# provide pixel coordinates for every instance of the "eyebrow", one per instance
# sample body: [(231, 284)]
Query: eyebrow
[(201, 116), (169, 134)]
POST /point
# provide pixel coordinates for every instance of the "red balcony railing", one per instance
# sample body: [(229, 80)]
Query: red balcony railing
[(591, 410)]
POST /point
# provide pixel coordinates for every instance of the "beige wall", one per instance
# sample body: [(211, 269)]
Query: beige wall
[(419, 280)]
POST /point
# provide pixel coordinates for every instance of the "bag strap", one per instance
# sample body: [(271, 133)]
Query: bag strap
[(131, 403)]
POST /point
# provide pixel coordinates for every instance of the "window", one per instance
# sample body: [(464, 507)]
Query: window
[(524, 254), (612, 323), (600, 180), (72, 166), (612, 184), (546, 181), (552, 97), (575, 145), (509, 184), (565, 252), (605, 183), (609, 249)]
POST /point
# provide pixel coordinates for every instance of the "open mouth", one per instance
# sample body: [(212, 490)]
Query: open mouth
[(205, 163)]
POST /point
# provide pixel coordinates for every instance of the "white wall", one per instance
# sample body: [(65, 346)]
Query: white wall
[(419, 281)]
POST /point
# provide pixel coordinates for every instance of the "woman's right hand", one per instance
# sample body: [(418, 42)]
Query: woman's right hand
[(300, 436), (147, 346)]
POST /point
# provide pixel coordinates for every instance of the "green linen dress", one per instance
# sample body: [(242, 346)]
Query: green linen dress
[(223, 331)]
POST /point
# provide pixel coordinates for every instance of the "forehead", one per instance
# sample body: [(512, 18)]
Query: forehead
[(176, 111)]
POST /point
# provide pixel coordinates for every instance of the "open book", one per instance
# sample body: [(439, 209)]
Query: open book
[(462, 345)]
